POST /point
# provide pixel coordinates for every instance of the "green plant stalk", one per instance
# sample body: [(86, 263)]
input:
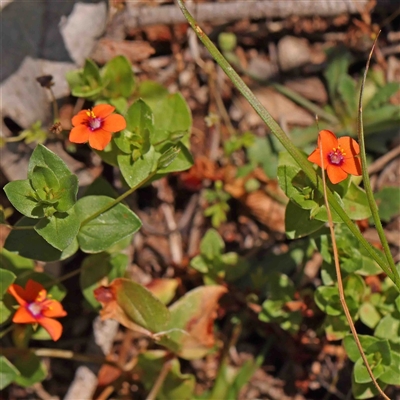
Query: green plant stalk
[(304, 164), (117, 200), (367, 184)]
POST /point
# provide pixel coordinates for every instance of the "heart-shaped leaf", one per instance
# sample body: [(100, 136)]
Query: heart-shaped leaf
[(106, 229)]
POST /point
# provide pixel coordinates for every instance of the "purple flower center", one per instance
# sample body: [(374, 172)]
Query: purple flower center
[(94, 123), (35, 309), (336, 157)]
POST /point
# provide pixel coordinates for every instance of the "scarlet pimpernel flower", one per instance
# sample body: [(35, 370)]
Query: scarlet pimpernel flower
[(96, 126), (340, 156), (35, 307)]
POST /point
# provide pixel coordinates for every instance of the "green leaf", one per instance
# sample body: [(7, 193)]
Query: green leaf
[(181, 162), (31, 368), (110, 153), (356, 204), (118, 78), (43, 178), (365, 390), (351, 347), (339, 60), (388, 201), (360, 371), (212, 244), (60, 229), (172, 114), (336, 327), (38, 248), (391, 375), (8, 372), (106, 229), (298, 222), (261, 152), (120, 104), (389, 328), (66, 195), (141, 306), (43, 157), (87, 82), (100, 187), (97, 267), (135, 172), (347, 90), (369, 315), (199, 264), (14, 263), (168, 157), (6, 279), (175, 385), (382, 96), (23, 198), (5, 313), (354, 287), (140, 118), (327, 299), (152, 93)]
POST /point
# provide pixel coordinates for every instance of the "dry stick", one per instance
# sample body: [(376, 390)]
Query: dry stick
[(377, 165), (135, 16), (340, 282), (160, 380)]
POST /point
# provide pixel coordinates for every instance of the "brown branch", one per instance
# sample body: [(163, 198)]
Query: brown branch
[(135, 16)]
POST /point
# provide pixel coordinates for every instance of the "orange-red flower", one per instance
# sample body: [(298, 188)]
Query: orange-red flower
[(340, 156), (96, 126), (37, 308)]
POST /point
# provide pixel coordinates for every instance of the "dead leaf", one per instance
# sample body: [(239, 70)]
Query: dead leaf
[(267, 210), (111, 309), (191, 333), (134, 50), (279, 106), (108, 374), (163, 289)]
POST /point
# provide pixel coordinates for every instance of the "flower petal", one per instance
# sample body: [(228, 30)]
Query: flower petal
[(18, 293), (352, 166), (79, 134), (23, 316), (114, 123), (52, 326), (103, 110), (32, 289), (349, 146), (53, 309), (80, 118), (315, 158), (328, 140), (335, 173), (99, 139)]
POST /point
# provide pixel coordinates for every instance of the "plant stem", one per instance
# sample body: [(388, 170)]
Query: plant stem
[(56, 115), (64, 277), (304, 164), (367, 183), (160, 380), (117, 200), (340, 283), (57, 353), (8, 329), (20, 228)]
